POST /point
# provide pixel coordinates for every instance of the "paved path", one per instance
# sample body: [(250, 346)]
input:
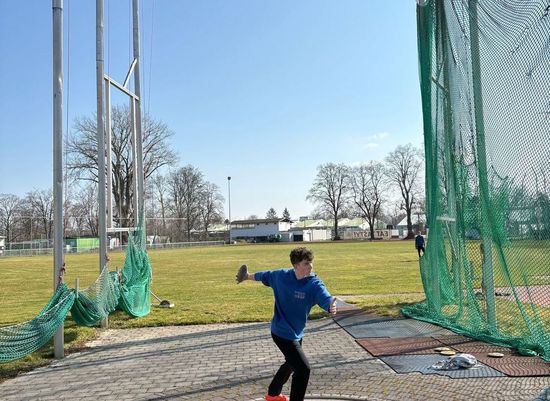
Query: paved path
[(236, 362)]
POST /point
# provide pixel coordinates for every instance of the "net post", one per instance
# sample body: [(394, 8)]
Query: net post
[(102, 220), (486, 234), (57, 28)]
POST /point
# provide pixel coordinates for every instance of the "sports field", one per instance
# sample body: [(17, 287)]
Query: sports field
[(201, 283)]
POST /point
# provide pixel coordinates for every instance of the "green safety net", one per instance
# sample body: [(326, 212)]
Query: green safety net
[(129, 292), (486, 112), (97, 301), (135, 297), (22, 339)]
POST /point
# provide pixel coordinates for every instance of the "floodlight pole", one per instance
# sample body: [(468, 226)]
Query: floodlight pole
[(229, 200), (57, 12), (486, 233), (102, 218)]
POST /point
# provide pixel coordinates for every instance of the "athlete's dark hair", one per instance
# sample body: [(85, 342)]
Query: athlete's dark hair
[(299, 254)]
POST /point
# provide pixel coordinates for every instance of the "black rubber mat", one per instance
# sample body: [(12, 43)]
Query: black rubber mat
[(423, 363), (394, 339), (511, 364), (395, 328), (400, 345), (452, 340), (355, 317)]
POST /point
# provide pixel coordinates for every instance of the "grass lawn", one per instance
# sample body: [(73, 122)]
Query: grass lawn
[(382, 276)]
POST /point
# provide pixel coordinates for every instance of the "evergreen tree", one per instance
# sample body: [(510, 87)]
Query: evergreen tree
[(286, 214), (271, 214)]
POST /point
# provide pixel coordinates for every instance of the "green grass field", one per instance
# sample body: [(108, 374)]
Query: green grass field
[(201, 282), (381, 276)]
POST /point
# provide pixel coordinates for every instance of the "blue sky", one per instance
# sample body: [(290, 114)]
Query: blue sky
[(262, 91)]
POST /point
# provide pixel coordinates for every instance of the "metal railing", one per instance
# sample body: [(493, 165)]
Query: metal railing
[(49, 251)]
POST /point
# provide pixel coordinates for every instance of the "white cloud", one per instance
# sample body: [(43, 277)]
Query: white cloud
[(379, 136), (370, 145)]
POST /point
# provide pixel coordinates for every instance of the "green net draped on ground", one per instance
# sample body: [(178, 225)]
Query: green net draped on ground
[(109, 292), (485, 81), (97, 301), (21, 339)]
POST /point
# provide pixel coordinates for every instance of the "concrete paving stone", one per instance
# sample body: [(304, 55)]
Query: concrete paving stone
[(237, 362)]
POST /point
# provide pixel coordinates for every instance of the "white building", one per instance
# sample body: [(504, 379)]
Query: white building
[(418, 221), (283, 230), (261, 230)]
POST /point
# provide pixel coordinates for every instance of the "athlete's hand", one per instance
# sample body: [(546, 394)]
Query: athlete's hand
[(242, 274), (333, 308)]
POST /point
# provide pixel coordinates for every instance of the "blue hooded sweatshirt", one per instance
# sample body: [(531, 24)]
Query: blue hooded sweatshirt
[(293, 300)]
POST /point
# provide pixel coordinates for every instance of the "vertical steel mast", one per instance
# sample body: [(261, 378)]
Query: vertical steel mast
[(57, 11), (102, 226)]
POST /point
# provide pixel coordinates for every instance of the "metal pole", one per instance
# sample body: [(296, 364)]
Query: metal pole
[(102, 231), (425, 31), (229, 199), (137, 89), (486, 233), (57, 11), (135, 172), (449, 140), (109, 166)]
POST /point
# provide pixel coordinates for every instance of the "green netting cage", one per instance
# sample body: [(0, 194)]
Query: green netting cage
[(485, 81)]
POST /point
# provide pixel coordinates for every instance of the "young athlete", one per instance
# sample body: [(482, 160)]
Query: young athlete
[(296, 291)]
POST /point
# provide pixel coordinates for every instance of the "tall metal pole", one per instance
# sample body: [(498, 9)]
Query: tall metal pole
[(486, 230), (102, 230), (57, 10), (139, 144), (229, 199)]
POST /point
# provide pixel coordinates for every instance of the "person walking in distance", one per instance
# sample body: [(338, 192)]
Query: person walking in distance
[(419, 244), (296, 290)]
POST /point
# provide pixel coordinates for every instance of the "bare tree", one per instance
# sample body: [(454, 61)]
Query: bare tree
[(10, 206), (271, 214), (330, 191), (159, 192), (186, 187), (367, 186), (393, 213), (403, 168), (82, 154), (85, 211), (211, 206), (41, 204)]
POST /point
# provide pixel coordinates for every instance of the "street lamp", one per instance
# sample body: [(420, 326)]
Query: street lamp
[(229, 199)]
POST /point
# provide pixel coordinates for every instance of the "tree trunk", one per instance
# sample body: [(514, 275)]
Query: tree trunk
[(336, 235), (371, 231), (410, 233)]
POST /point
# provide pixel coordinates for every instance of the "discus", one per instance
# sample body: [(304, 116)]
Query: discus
[(448, 353), (495, 354), (439, 349)]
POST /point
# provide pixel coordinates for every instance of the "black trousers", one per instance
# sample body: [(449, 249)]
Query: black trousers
[(295, 362), (420, 248)]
